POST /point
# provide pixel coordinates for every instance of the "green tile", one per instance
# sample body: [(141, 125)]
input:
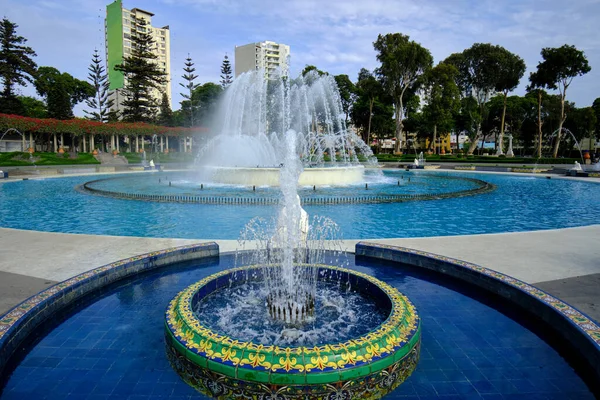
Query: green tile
[(248, 360), (253, 375), (325, 377), (287, 379), (381, 364), (222, 369), (196, 359), (353, 373)]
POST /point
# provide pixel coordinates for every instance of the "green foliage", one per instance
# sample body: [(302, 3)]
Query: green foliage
[(100, 105), (142, 74), (403, 61), (16, 65), (33, 107), (226, 74), (62, 91), (188, 105), (442, 96), (165, 117), (309, 68), (373, 110), (347, 93), (206, 98), (171, 157), (557, 70)]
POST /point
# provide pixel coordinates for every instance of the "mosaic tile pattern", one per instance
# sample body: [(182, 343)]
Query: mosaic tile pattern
[(356, 364), (112, 347)]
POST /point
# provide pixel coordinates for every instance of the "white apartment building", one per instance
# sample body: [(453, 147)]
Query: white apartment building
[(120, 25), (269, 56)]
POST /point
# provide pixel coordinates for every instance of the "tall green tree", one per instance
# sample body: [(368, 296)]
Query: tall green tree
[(581, 123), (347, 93), (511, 70), (61, 91), (309, 68), (143, 77), (16, 66), (226, 74), (189, 105), (558, 68), (478, 75), (596, 108), (165, 116), (373, 110), (442, 97), (537, 83), (100, 105), (403, 61)]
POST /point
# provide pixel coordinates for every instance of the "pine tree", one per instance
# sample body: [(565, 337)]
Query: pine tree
[(189, 105), (100, 104), (16, 66), (226, 77), (142, 75), (165, 118)]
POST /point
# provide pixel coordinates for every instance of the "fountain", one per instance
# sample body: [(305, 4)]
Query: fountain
[(288, 326), (255, 116)]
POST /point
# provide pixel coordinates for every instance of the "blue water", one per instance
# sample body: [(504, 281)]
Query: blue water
[(112, 346), (518, 204)]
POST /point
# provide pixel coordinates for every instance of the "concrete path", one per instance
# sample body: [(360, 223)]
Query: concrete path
[(562, 259)]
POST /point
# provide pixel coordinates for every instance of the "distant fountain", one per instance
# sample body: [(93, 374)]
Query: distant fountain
[(574, 139), (420, 161), (254, 117)]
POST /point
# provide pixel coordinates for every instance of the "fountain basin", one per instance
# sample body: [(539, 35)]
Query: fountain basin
[(368, 366), (270, 176)]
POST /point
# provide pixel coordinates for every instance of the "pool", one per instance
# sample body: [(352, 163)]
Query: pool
[(519, 203), (111, 345)]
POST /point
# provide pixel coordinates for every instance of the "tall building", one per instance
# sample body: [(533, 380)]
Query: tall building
[(120, 25), (266, 55)]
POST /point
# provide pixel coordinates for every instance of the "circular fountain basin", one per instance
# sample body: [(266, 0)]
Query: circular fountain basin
[(270, 176), (367, 366)]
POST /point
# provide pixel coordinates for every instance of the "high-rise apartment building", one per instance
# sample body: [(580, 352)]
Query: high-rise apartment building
[(267, 55), (120, 26)]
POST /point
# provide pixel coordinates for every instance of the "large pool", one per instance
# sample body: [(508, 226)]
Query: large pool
[(112, 345), (520, 203)]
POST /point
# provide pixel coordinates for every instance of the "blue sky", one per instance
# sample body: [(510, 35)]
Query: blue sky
[(335, 35)]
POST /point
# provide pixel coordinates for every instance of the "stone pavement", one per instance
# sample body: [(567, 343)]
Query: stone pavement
[(565, 262)]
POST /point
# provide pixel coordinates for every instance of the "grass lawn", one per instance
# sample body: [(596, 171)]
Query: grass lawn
[(19, 159), (159, 158)]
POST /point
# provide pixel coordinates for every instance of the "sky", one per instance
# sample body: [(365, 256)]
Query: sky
[(335, 35)]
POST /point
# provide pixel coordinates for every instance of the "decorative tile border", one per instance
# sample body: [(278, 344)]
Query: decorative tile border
[(227, 363), (576, 328), (23, 319)]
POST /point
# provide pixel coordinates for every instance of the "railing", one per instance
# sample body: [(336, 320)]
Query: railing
[(484, 187)]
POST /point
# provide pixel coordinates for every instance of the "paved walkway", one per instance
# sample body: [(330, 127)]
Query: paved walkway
[(566, 262)]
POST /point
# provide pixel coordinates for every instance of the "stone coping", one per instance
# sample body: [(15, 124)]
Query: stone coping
[(386, 344), (20, 322), (576, 329)]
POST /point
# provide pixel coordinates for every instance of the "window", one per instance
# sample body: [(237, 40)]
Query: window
[(162, 33), (126, 43), (162, 45), (126, 29), (162, 39), (162, 52)]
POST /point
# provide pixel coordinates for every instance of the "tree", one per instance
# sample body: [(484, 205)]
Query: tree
[(99, 104), (596, 108), (581, 123), (16, 66), (372, 111), (142, 75), (165, 117), (62, 91), (347, 93), (442, 97), (557, 71), (33, 107), (402, 63), (309, 68), (189, 106), (512, 68), (537, 83), (206, 97), (478, 75), (226, 76)]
